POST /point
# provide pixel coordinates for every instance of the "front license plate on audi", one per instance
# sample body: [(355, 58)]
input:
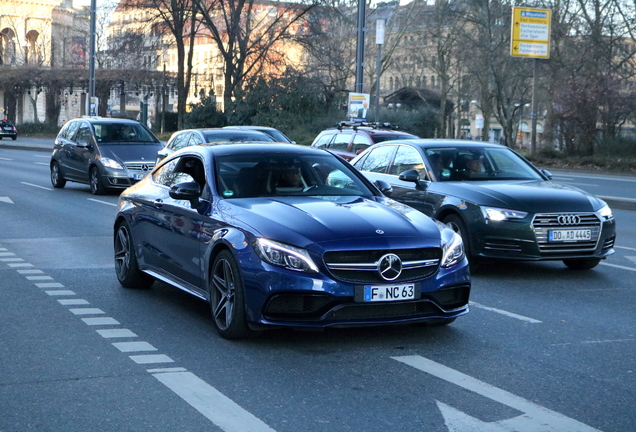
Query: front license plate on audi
[(570, 235), (380, 293)]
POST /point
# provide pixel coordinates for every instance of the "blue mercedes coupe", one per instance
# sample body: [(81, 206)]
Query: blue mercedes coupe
[(281, 235)]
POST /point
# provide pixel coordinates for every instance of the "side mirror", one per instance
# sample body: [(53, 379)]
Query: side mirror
[(384, 187), (412, 176), (83, 144), (546, 173), (189, 191)]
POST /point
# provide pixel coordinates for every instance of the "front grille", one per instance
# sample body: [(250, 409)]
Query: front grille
[(543, 223), (362, 266), (140, 166)]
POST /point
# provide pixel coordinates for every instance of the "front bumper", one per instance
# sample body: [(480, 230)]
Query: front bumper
[(286, 299), (528, 239)]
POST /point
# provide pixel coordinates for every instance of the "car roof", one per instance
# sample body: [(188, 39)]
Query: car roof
[(441, 142), (110, 120), (224, 148)]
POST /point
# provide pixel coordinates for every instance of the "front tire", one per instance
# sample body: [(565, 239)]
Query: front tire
[(126, 265), (582, 263), (57, 180), (97, 187), (227, 297)]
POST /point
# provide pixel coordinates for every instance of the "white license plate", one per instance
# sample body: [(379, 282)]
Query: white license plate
[(138, 176), (570, 235), (380, 293), (8, 128)]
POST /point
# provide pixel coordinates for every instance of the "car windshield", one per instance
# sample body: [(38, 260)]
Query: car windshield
[(479, 164), (114, 133), (285, 174)]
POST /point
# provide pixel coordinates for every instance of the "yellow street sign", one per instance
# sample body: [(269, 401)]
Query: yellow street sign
[(530, 35)]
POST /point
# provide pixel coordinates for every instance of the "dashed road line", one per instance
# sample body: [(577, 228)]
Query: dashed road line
[(506, 313), (102, 202), (211, 403), (37, 186)]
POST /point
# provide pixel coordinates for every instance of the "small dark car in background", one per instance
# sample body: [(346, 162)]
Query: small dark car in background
[(349, 139), (8, 130), (190, 137), (501, 204), (277, 135), (105, 153)]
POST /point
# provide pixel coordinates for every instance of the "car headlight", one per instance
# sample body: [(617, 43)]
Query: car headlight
[(453, 251), (285, 256), (605, 213), (499, 214), (110, 163)]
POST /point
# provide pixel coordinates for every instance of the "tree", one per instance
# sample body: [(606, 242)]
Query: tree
[(247, 36)]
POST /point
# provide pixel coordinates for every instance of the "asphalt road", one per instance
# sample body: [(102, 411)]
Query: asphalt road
[(544, 348)]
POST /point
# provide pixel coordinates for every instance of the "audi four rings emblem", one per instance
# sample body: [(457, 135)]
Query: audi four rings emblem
[(390, 267), (569, 220)]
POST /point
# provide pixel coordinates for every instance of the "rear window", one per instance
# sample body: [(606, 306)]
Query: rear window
[(378, 138)]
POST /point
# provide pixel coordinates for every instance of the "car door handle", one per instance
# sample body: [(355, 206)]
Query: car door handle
[(158, 203)]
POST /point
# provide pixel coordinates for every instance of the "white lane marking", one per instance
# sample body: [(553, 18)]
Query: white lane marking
[(225, 413), (14, 259), (100, 321), (163, 370), (133, 346), (60, 293), (34, 271), (631, 258), (7, 254), (42, 156), (36, 186), (73, 302), (151, 358), (33, 278), (49, 285), (535, 418), (618, 266), (116, 333), (506, 313), (86, 311), (221, 410), (7, 200), (23, 264), (102, 202), (606, 197), (593, 342), (581, 184), (624, 247), (584, 176), (6, 159), (41, 163)]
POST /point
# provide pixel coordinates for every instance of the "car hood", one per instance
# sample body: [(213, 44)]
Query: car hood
[(532, 197), (332, 221), (131, 152)]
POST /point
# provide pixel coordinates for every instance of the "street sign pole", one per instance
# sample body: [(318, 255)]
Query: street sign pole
[(530, 38)]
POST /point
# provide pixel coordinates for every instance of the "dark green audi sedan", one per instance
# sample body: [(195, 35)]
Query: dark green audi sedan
[(501, 205)]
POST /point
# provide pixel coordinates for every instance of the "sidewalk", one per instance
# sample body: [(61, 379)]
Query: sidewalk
[(27, 143)]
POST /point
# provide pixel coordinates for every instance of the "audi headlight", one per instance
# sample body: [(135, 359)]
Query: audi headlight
[(453, 251), (110, 163), (605, 213), (285, 256), (499, 214)]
